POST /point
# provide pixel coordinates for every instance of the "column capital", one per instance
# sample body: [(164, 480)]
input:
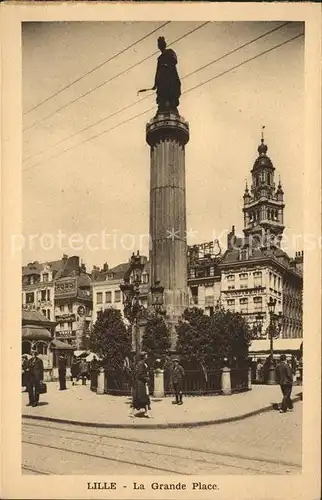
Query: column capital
[(167, 125)]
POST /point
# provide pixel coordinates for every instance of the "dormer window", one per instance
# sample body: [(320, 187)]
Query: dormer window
[(45, 277)]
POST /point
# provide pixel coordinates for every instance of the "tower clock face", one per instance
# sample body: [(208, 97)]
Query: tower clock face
[(81, 310)]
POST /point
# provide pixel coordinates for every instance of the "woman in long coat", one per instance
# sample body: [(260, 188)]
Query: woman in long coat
[(140, 396)]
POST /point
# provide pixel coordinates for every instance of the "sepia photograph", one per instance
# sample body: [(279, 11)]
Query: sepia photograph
[(163, 248), (161, 253)]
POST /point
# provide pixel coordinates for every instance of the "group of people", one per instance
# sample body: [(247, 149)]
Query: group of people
[(262, 369), (140, 390), (79, 369), (33, 374)]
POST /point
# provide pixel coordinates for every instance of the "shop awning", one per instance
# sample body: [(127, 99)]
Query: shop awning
[(58, 344), (33, 332), (81, 353), (279, 345)]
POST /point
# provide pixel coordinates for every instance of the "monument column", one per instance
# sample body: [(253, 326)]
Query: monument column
[(167, 134)]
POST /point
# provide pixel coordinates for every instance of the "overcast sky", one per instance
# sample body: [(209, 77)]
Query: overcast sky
[(103, 184)]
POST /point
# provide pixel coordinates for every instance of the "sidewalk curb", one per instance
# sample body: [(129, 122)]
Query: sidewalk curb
[(174, 425)]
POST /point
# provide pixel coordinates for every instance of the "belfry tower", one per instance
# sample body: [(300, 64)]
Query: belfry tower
[(264, 203)]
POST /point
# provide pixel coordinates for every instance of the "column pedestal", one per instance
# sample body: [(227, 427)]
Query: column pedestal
[(158, 383), (225, 381), (100, 381)]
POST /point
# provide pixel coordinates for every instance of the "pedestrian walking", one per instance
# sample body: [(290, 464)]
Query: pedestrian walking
[(35, 371), (140, 395), (177, 377), (284, 378), (83, 368), (62, 366), (74, 370)]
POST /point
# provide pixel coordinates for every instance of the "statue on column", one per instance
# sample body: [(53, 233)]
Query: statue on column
[(167, 82)]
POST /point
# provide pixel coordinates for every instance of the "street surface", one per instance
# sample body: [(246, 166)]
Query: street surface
[(269, 443)]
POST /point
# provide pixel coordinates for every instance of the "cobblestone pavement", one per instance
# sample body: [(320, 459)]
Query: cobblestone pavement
[(265, 444)]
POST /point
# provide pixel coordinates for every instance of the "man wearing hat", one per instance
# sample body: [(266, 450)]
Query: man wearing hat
[(62, 364), (35, 371), (177, 376)]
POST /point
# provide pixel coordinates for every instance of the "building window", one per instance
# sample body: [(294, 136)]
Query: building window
[(108, 297), (231, 287), (257, 279), (243, 254), (212, 271), (43, 295), (231, 304), (243, 305), (192, 273), (30, 298), (44, 312), (70, 308), (99, 298), (231, 277), (48, 314), (45, 277), (243, 276), (61, 308), (258, 304), (48, 295), (117, 296), (145, 278)]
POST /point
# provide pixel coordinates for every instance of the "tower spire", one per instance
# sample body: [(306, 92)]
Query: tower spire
[(262, 148)]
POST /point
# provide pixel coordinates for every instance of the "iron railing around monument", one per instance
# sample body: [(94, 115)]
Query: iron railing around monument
[(239, 379), (93, 379), (195, 382)]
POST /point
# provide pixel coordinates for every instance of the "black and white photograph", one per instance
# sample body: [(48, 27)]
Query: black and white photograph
[(164, 246)]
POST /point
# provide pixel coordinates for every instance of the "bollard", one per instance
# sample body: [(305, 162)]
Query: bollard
[(249, 378), (225, 381), (100, 381), (158, 383)]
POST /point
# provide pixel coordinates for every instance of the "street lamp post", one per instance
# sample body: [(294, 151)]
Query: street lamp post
[(157, 297), (275, 324), (131, 297)]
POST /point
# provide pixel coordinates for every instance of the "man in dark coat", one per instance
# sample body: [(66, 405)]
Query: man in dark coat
[(177, 376), (62, 365), (74, 370), (141, 398), (284, 377), (83, 368), (35, 371)]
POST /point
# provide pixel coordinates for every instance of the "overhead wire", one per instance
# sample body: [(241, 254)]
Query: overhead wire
[(124, 108), (152, 108), (96, 68), (105, 82)]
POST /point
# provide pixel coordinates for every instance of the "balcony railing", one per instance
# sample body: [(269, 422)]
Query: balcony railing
[(65, 334)]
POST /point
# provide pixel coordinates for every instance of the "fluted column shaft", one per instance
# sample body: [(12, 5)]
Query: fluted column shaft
[(167, 135)]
